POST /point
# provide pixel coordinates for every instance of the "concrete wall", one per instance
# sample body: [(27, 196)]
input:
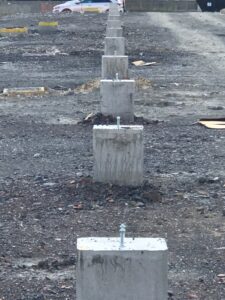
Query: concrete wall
[(161, 5), (14, 7)]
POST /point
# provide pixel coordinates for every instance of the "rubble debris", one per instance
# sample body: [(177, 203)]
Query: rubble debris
[(92, 85), (25, 91), (99, 118), (213, 123), (143, 83), (88, 87), (141, 63)]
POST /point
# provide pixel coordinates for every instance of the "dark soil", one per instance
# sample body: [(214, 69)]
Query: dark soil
[(47, 196)]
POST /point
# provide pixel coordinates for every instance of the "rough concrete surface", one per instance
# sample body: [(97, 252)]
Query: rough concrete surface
[(117, 99), (114, 23), (114, 17), (114, 45), (47, 196), (115, 66), (138, 271), (114, 32), (118, 154)]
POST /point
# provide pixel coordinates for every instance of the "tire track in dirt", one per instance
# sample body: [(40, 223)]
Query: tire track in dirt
[(193, 37)]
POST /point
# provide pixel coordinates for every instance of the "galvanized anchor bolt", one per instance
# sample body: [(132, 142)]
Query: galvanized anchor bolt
[(122, 235), (117, 76), (118, 122)]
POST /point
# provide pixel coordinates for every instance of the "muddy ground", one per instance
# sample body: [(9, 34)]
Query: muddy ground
[(47, 196)]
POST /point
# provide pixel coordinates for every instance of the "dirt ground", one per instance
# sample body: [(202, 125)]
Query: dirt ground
[(47, 196)]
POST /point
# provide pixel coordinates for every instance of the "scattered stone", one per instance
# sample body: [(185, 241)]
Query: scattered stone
[(201, 210), (170, 294), (49, 184), (140, 204), (43, 264), (192, 296), (99, 118), (205, 180), (78, 206), (152, 196), (36, 155), (49, 264), (215, 107), (79, 174), (110, 200), (60, 88)]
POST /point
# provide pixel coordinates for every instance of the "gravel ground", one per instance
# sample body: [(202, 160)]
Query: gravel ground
[(47, 196)]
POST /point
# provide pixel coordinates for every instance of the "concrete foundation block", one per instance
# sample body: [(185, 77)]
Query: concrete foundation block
[(114, 10), (138, 271), (118, 154), (114, 64), (114, 24), (114, 32), (114, 18), (114, 46), (117, 98)]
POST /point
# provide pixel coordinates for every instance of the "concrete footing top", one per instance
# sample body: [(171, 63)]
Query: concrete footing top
[(113, 244)]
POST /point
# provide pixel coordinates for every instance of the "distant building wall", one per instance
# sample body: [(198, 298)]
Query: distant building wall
[(161, 5), (14, 7)]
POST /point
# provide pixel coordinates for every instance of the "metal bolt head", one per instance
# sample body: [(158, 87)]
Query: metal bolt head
[(122, 235), (122, 226), (118, 127)]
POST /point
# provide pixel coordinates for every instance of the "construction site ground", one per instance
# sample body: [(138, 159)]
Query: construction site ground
[(47, 196)]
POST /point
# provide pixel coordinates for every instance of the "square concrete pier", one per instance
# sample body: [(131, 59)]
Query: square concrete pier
[(114, 24), (114, 17), (114, 32), (114, 10), (118, 154), (117, 98), (113, 65), (114, 45), (138, 271)]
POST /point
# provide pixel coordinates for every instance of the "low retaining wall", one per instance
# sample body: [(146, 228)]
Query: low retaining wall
[(161, 5)]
